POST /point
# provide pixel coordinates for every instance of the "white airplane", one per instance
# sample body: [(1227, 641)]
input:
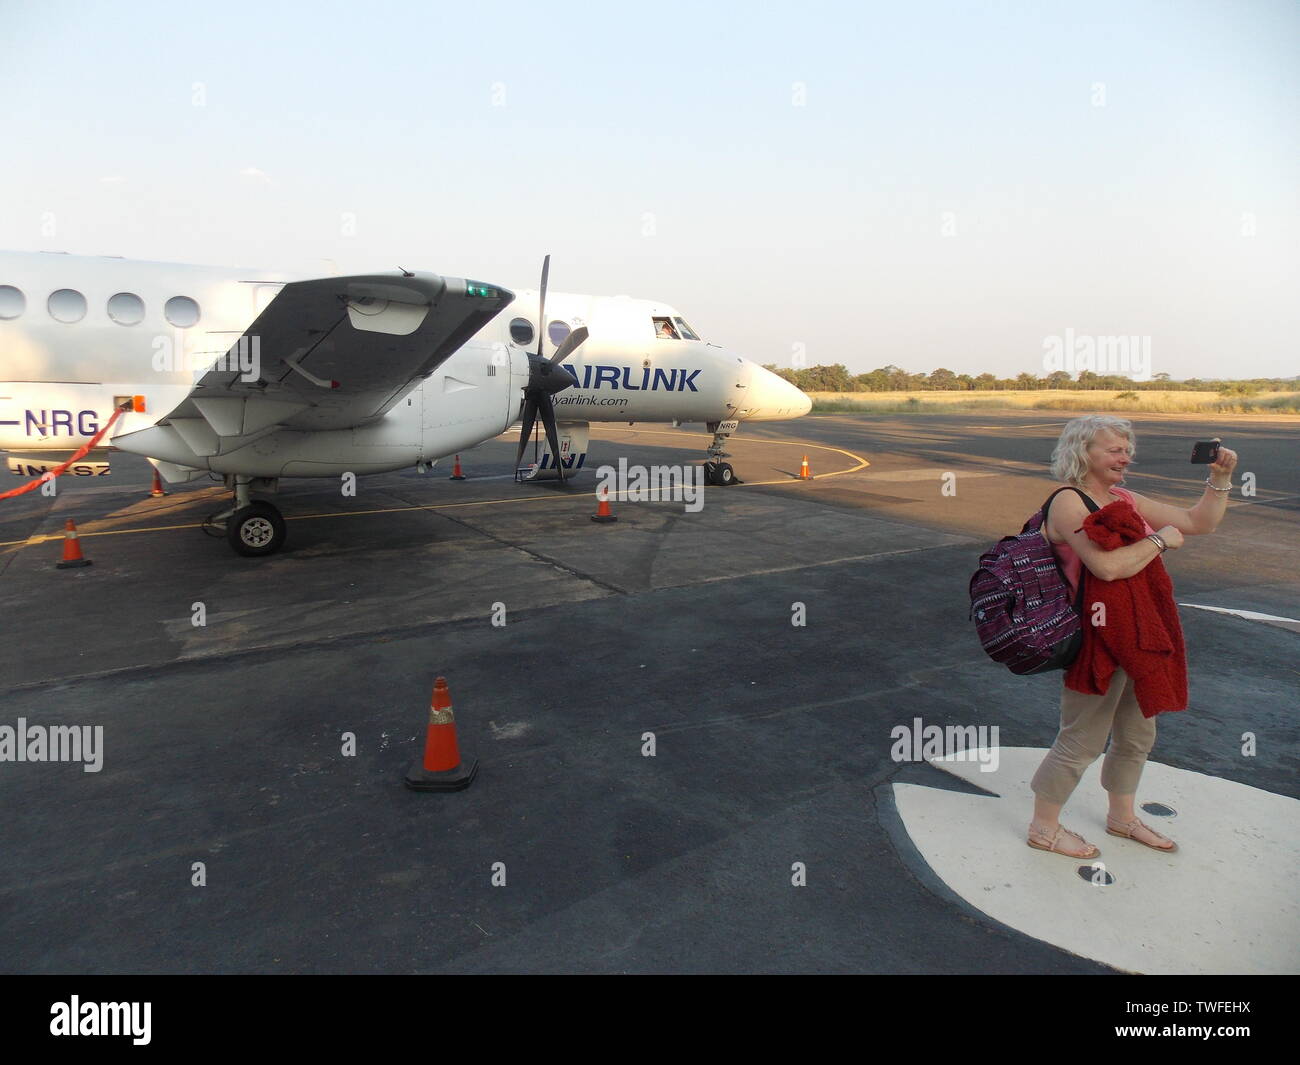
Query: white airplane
[(257, 376)]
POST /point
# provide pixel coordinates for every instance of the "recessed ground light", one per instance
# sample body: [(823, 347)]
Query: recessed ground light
[(1158, 809), (1095, 874)]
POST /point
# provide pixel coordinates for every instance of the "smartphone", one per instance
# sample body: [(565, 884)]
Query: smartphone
[(1205, 451)]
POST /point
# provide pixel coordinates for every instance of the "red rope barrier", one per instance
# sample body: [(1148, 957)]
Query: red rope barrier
[(49, 475)]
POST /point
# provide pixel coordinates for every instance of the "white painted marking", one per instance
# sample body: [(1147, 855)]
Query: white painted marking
[(926, 473), (1224, 903), (955, 539), (1248, 615), (1252, 502)]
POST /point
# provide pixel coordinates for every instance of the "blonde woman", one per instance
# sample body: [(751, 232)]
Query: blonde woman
[(1093, 454)]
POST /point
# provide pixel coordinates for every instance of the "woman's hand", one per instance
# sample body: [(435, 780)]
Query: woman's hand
[(1223, 466), (1171, 536)]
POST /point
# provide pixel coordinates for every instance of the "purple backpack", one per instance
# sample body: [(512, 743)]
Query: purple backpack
[(1020, 601)]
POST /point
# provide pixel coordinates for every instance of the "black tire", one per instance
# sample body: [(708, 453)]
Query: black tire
[(724, 475), (710, 475), (256, 530)]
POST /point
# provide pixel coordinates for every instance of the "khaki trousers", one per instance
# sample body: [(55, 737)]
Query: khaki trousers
[(1085, 722)]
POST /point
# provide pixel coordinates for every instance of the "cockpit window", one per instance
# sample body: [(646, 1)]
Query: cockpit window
[(665, 330), (684, 330)]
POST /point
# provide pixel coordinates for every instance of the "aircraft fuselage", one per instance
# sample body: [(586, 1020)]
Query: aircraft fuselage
[(78, 335)]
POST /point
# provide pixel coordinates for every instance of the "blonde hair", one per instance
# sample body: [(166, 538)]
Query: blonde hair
[(1070, 456)]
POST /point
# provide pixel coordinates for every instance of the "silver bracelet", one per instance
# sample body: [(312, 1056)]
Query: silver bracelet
[(1155, 539), (1216, 487)]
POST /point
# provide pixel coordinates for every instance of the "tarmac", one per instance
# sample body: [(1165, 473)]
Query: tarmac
[(673, 776)]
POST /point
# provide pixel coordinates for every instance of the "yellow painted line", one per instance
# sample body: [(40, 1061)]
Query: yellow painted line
[(46, 537), (422, 506), (861, 465), (1030, 425)]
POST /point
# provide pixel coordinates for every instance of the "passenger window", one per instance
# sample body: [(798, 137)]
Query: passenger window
[(12, 302), (665, 330), (521, 332), (67, 305), (126, 308), (181, 311), (558, 332)]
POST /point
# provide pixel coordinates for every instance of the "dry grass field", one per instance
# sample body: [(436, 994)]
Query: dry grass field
[(1275, 403)]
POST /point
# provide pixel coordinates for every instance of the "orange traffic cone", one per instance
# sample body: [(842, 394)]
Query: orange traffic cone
[(71, 548), (157, 489), (441, 768), (456, 474), (603, 514), (804, 473)]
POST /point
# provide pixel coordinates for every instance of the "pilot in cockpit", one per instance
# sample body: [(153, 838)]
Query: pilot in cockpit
[(666, 330)]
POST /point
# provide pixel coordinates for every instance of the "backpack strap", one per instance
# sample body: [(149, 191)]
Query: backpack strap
[(1092, 509), (1087, 499)]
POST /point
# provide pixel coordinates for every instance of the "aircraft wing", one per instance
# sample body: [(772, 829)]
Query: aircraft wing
[(333, 353)]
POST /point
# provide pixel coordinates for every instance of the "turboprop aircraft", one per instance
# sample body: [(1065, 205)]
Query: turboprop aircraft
[(255, 376)]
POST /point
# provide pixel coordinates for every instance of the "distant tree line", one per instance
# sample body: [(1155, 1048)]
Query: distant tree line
[(837, 378)]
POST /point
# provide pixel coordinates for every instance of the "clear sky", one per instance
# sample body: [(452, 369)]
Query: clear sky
[(925, 184)]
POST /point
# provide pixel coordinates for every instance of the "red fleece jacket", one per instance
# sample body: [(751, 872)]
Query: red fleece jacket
[(1141, 635)]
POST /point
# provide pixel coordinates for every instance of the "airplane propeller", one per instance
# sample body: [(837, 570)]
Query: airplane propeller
[(546, 379)]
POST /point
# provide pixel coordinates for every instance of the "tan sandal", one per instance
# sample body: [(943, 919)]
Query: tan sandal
[(1127, 828), (1043, 842)]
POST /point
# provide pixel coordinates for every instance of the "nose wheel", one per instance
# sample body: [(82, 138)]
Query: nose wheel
[(719, 473), (715, 470)]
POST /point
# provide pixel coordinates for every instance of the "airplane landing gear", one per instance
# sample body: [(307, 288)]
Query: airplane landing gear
[(252, 527), (719, 473), (716, 471), (257, 529)]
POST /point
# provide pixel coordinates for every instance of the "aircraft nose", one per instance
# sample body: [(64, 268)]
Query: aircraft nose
[(772, 398), (803, 400)]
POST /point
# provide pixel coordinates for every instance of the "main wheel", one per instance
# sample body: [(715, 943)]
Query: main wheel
[(257, 529)]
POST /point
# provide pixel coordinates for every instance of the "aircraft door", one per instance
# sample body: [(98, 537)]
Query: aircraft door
[(741, 392)]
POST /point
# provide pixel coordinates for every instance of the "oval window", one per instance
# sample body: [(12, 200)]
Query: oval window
[(182, 312), (12, 302), (521, 331), (558, 332), (126, 308), (67, 305)]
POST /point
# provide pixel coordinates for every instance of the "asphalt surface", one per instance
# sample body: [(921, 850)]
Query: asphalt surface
[(224, 743)]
